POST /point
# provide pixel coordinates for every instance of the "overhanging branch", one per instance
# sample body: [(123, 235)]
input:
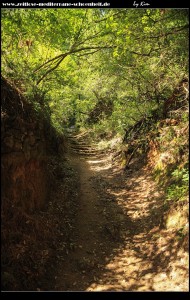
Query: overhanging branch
[(50, 70), (61, 57)]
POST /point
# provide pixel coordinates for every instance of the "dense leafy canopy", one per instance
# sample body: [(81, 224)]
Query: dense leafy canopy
[(110, 66)]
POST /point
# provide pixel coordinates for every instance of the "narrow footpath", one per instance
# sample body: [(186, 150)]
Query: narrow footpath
[(118, 242)]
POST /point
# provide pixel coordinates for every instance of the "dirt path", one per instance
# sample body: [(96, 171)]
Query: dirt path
[(118, 243)]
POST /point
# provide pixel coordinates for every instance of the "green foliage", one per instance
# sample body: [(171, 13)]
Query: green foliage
[(178, 191), (76, 57)]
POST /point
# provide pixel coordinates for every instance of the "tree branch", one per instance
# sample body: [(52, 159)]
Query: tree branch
[(91, 48), (87, 53), (62, 56), (50, 70), (47, 62), (89, 38), (141, 54), (175, 30)]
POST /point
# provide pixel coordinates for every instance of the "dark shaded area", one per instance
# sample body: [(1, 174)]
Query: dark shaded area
[(102, 109), (28, 144)]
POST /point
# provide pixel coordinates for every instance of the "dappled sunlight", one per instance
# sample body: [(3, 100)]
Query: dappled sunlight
[(145, 261), (94, 161), (140, 201), (120, 245), (101, 168), (144, 266), (99, 165)]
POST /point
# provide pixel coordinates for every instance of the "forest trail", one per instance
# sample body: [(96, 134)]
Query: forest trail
[(118, 243)]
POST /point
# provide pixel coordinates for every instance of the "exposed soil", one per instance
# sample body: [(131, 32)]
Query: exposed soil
[(116, 238)]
